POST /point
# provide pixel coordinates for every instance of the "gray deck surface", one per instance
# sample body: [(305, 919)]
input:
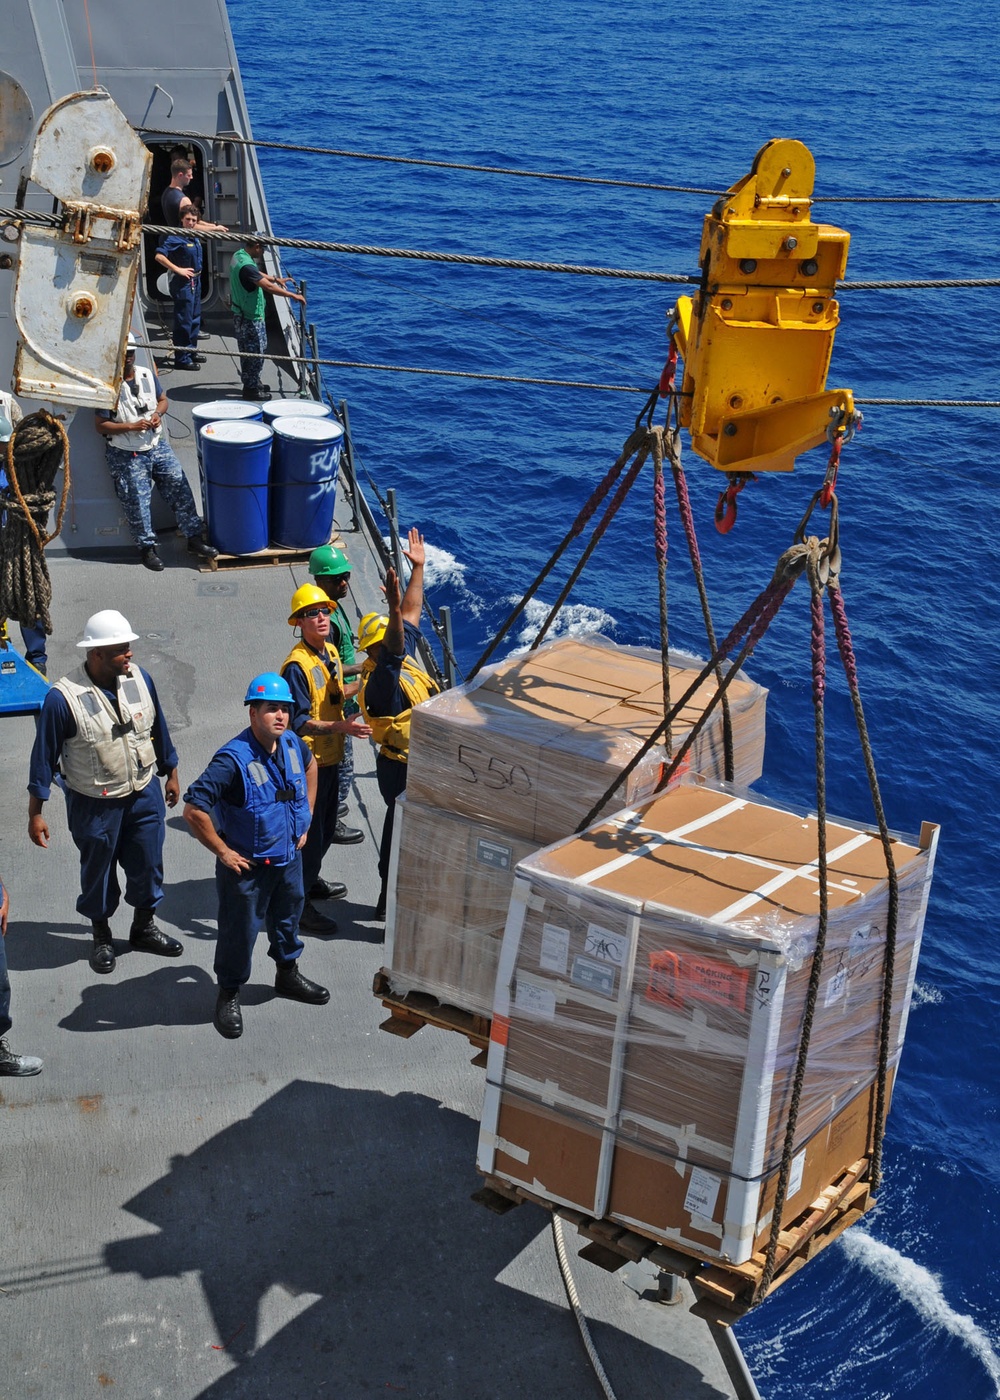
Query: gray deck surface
[(286, 1215)]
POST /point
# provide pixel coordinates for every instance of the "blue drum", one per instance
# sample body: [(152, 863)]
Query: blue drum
[(305, 464), (237, 463), (295, 408), (217, 411)]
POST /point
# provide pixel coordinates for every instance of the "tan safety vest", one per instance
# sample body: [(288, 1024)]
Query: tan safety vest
[(326, 698), (109, 756), (392, 732)]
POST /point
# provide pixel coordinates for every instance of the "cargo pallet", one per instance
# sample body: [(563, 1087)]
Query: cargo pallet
[(723, 1292), (410, 1011), (262, 558)]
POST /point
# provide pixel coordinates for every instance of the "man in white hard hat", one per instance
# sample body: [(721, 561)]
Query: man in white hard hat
[(103, 729), (139, 458)]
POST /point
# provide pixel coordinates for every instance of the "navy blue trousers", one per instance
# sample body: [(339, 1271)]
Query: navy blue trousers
[(268, 894), (5, 1021), (187, 313), (112, 832), (323, 824), (391, 776)]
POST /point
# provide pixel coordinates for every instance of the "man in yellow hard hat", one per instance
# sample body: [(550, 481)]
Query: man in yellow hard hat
[(315, 678), (391, 684)]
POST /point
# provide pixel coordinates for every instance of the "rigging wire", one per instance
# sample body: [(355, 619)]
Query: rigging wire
[(544, 383), (549, 174), (518, 264)]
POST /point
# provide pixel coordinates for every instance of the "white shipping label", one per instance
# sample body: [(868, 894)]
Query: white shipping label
[(795, 1175), (602, 943), (702, 1193), (555, 949), (536, 1001), (835, 987)]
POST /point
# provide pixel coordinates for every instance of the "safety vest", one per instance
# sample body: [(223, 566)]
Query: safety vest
[(392, 732), (248, 304), (326, 698), (275, 811), (111, 754), (137, 399)]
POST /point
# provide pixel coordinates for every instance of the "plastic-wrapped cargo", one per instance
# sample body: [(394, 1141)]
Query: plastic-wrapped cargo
[(449, 892), (531, 745), (649, 1006)]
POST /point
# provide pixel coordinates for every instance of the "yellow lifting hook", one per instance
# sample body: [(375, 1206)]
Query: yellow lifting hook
[(756, 340)]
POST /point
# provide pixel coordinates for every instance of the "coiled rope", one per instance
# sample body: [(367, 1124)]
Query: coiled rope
[(37, 449)]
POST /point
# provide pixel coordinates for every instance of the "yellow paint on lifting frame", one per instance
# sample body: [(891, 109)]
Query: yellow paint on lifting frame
[(757, 339)]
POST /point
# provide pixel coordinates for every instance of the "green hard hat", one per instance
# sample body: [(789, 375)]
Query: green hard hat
[(327, 560)]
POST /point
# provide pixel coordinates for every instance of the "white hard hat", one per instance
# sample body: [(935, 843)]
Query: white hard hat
[(107, 629), (130, 343)]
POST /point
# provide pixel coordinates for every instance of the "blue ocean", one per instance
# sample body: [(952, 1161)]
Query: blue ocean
[(894, 99)]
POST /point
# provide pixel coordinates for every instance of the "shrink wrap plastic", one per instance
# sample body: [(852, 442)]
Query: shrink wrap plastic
[(649, 1007), (511, 761)]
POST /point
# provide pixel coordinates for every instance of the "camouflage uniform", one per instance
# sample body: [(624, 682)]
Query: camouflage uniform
[(251, 337), (135, 474)]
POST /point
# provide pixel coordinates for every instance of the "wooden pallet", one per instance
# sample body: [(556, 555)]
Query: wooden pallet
[(723, 1292), (410, 1011), (264, 558)]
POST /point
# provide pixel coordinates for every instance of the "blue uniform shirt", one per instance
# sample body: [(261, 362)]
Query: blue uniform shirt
[(222, 780), (56, 724), (383, 693)]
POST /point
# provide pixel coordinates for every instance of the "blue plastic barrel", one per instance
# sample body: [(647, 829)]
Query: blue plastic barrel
[(237, 461), (219, 409), (305, 464), (295, 408)]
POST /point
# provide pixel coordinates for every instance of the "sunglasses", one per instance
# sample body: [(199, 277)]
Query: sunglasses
[(316, 612)]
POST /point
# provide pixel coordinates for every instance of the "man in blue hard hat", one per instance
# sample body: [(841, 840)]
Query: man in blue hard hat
[(331, 569), (262, 788)]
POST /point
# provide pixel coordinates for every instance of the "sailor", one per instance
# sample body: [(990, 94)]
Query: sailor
[(9, 1062), (247, 285), (313, 672), (103, 728), (261, 786), (331, 569), (174, 198), (140, 458), (32, 634), (391, 684), (181, 254)]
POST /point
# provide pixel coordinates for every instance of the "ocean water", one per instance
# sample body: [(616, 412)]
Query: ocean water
[(899, 98)]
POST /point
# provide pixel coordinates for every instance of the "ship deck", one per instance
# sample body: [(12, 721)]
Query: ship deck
[(287, 1215)]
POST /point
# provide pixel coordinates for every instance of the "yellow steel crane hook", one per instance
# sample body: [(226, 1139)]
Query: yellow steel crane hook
[(756, 340)]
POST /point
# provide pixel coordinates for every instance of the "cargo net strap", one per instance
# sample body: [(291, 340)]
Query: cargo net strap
[(663, 443), (823, 566), (38, 447)]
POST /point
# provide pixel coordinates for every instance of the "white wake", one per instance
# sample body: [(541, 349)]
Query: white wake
[(919, 1287)]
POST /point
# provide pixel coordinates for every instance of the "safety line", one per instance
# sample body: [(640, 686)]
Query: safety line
[(519, 264), (160, 347), (548, 174)]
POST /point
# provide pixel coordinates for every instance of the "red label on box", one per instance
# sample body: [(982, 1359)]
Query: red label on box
[(664, 976), (500, 1030), (674, 981)]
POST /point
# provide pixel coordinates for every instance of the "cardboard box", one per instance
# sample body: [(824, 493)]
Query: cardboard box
[(649, 1007), (532, 745), (450, 882)]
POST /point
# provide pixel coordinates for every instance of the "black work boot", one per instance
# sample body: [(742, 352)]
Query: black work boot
[(312, 921), (21, 1065), (228, 1018), (151, 560), (346, 835), (200, 547), (289, 982), (146, 936), (102, 955)]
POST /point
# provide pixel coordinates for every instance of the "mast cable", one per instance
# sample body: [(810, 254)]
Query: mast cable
[(548, 174)]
